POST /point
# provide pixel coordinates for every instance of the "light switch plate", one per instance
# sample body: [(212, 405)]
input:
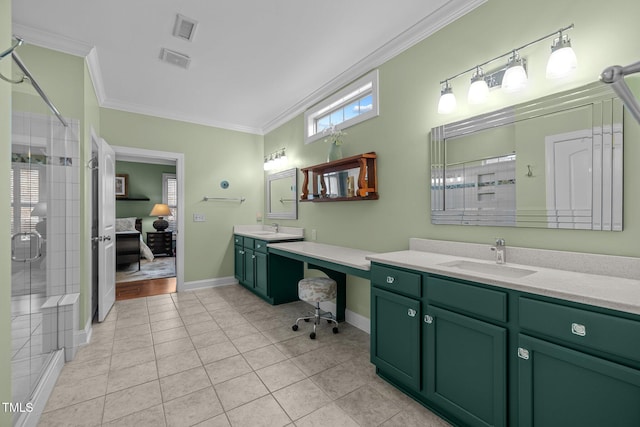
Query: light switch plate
[(197, 217)]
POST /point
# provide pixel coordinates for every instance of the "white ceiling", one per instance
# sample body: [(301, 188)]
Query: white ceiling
[(254, 63)]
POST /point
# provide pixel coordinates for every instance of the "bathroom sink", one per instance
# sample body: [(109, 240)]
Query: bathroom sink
[(494, 269), (263, 233)]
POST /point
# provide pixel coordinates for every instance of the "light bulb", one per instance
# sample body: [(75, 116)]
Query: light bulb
[(479, 90), (562, 60), (515, 78), (447, 103)]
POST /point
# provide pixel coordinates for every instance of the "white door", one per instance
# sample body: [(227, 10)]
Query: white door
[(106, 229), (569, 163)]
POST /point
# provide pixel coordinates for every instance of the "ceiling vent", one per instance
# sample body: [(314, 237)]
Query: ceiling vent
[(184, 28), (175, 58)]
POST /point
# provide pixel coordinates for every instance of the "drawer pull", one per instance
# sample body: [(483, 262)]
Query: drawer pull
[(428, 319), (258, 246), (241, 252), (411, 312), (253, 256), (523, 353), (578, 329), (390, 279)]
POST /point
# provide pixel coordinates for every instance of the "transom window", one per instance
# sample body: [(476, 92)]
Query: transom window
[(353, 104)]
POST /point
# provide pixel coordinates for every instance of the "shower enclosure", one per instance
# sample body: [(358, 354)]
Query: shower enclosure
[(45, 246)]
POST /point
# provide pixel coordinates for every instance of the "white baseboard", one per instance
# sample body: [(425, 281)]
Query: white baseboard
[(207, 283), (352, 318), (84, 336), (43, 391)]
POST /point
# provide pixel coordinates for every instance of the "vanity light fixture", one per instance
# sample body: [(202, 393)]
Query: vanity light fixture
[(275, 160), (513, 76), (563, 59), (479, 89), (447, 103)]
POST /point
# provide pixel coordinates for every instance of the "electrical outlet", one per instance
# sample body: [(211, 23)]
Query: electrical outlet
[(199, 217), (314, 235)]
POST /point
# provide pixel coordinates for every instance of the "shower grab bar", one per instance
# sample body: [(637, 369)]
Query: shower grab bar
[(38, 89), (614, 76), (224, 199), (31, 235), (17, 44)]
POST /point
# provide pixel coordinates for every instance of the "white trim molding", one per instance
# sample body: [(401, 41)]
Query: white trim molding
[(207, 283), (50, 40)]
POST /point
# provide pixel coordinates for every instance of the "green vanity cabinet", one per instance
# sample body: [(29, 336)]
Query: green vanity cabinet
[(244, 261), (274, 280), (260, 268), (483, 355), (466, 368), (581, 368), (562, 387), (465, 350), (395, 338)]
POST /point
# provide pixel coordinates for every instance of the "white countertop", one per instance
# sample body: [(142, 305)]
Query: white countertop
[(268, 233), (616, 293), (355, 258)]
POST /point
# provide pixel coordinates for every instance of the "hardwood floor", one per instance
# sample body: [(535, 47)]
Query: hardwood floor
[(145, 288)]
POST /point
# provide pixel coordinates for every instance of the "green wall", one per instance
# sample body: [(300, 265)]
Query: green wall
[(211, 156), (5, 168), (145, 180), (409, 91)]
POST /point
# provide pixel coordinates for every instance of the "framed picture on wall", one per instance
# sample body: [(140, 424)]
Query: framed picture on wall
[(122, 186)]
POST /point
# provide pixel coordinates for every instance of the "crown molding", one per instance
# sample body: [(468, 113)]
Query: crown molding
[(439, 19), (163, 114), (442, 17), (51, 40), (95, 73)]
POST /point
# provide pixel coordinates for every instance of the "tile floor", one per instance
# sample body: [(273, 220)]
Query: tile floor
[(223, 357)]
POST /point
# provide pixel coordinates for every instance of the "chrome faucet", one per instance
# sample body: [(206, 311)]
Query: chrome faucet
[(501, 251), (275, 227)]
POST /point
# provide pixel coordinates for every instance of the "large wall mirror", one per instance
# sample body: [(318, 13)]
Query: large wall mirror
[(555, 162), (282, 201)]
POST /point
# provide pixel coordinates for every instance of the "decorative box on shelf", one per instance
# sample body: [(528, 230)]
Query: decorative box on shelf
[(348, 179)]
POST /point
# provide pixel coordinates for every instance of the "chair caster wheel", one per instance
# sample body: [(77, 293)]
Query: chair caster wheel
[(312, 335), (306, 320), (335, 330), (294, 327)]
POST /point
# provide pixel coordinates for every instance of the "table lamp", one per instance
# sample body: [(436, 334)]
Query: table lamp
[(160, 210)]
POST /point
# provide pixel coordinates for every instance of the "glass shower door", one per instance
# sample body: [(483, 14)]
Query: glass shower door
[(28, 270)]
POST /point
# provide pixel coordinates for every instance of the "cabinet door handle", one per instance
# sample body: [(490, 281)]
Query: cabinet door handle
[(523, 353), (428, 319), (578, 329), (241, 252), (253, 256), (390, 279), (258, 246), (411, 312)]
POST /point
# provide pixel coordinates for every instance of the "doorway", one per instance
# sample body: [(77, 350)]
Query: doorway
[(165, 254)]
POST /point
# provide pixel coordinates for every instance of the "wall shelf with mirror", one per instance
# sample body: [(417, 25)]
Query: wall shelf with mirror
[(281, 189), (554, 162), (349, 179)]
